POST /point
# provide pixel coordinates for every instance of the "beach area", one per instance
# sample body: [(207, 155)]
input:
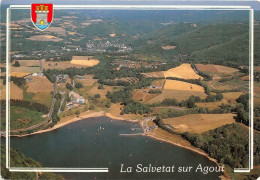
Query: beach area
[(74, 118)]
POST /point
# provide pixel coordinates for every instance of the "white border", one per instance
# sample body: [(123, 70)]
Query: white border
[(129, 7)]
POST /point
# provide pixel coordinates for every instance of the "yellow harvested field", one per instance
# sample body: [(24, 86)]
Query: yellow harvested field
[(256, 101), (245, 78), (178, 90), (19, 74), (86, 24), (44, 38), (199, 123), (256, 90), (176, 94), (87, 80), (168, 47), (184, 71), (158, 83), (140, 95), (115, 109), (154, 74), (216, 68), (211, 105), (232, 95), (180, 85), (15, 91), (257, 68), (59, 65), (58, 30), (40, 84), (24, 69), (28, 62), (112, 35), (84, 60), (43, 98), (225, 69), (71, 33)]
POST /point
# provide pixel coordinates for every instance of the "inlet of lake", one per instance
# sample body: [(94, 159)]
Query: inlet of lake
[(96, 143)]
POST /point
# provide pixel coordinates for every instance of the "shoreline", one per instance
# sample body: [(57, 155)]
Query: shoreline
[(76, 119), (225, 174)]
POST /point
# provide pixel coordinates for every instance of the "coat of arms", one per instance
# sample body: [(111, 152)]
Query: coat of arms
[(42, 15)]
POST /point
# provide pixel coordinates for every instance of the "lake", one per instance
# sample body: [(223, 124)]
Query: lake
[(96, 143)]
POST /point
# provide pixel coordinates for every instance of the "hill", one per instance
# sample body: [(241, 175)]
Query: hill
[(211, 43), (17, 159)]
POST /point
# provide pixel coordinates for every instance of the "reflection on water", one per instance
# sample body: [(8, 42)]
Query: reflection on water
[(95, 142)]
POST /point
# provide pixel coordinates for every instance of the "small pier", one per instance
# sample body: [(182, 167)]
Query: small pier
[(135, 134)]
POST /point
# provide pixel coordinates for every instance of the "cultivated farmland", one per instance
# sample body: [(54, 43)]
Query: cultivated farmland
[(18, 74), (184, 71), (87, 80), (28, 63), (168, 47), (199, 123), (84, 60), (178, 90), (232, 96), (44, 38), (43, 98), (216, 68), (15, 91), (142, 95), (40, 84), (211, 105)]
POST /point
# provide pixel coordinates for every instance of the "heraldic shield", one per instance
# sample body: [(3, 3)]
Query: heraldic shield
[(42, 15)]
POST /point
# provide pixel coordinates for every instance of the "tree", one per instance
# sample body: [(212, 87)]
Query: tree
[(77, 112), (91, 107), (183, 103), (190, 103), (16, 64), (207, 90), (97, 96), (100, 86), (69, 86), (78, 85), (108, 105), (210, 98), (243, 116), (219, 96)]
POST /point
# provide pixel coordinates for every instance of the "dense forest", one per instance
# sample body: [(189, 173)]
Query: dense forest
[(228, 144)]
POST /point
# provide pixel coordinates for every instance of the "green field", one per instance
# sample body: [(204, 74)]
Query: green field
[(22, 118)]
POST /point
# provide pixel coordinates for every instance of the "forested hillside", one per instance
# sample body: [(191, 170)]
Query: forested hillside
[(217, 43), (17, 159)]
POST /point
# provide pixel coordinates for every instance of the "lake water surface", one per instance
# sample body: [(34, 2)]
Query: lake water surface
[(82, 144)]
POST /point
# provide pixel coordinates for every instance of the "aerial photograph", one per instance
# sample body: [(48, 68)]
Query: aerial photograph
[(136, 94)]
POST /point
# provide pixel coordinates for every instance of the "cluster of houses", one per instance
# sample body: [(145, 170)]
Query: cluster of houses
[(102, 47)]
